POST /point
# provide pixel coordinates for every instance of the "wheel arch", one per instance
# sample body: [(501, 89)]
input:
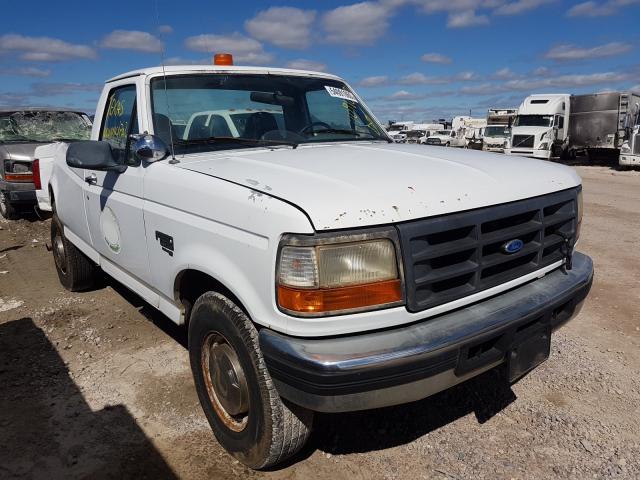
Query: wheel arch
[(190, 283)]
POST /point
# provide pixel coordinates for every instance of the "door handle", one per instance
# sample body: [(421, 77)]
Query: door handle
[(91, 179)]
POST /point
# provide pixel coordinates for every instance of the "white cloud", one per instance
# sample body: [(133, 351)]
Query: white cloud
[(595, 9), (25, 72), (52, 89), (358, 24), (435, 58), (572, 52), (421, 79), (575, 80), (482, 89), (541, 72), (504, 74), (374, 81), (404, 95), (286, 27), (466, 18), (188, 61), (244, 49), (165, 29), (44, 49), (520, 6), (132, 40), (304, 64)]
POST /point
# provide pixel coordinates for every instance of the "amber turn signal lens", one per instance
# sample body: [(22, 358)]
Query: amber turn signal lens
[(18, 177), (341, 298)]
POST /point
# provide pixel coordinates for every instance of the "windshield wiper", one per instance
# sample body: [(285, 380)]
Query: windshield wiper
[(238, 140), (337, 130)]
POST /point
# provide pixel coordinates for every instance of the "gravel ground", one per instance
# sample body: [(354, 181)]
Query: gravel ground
[(97, 384)]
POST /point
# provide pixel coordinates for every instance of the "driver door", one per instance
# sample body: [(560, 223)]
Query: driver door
[(113, 201)]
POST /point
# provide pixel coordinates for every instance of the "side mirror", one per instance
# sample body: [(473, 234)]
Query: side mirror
[(93, 155), (149, 148)]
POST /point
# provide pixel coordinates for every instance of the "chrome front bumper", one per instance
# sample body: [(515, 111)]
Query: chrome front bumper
[(406, 364)]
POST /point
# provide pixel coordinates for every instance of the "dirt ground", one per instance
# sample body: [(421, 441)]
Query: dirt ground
[(97, 384)]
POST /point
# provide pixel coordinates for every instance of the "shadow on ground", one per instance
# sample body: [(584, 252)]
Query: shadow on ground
[(47, 430), (371, 430)]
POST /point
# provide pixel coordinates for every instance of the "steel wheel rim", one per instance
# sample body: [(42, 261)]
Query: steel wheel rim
[(225, 381), (59, 253)]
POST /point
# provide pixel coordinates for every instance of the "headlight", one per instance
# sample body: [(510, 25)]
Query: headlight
[(625, 148), (338, 274), (544, 146)]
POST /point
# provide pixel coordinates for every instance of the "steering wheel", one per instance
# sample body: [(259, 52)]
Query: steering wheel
[(313, 124)]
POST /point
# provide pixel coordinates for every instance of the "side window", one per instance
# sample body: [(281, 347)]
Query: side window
[(561, 122), (119, 121)]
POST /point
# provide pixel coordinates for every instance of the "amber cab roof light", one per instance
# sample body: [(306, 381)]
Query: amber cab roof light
[(223, 59)]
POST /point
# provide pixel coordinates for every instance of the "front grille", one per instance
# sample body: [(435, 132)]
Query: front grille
[(433, 141), (636, 145), (523, 141), (456, 255)]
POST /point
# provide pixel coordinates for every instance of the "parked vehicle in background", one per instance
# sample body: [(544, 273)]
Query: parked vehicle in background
[(496, 138), (224, 123), (540, 129), (497, 134), (443, 138), (348, 274), (630, 149), (599, 123), (22, 130), (415, 136)]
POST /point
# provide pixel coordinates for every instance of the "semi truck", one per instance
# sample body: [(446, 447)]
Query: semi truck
[(497, 133), (566, 126), (630, 149), (540, 128)]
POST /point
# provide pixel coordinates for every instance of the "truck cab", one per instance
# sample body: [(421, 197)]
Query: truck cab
[(540, 129), (316, 265)]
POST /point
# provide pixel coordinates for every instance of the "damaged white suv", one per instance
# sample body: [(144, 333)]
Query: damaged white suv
[(317, 265)]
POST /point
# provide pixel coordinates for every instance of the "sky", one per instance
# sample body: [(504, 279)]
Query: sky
[(408, 59)]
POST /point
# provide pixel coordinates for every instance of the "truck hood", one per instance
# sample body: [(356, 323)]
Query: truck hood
[(363, 184), (18, 151)]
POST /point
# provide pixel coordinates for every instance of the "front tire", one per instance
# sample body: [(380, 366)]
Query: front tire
[(75, 271), (237, 394), (7, 210)]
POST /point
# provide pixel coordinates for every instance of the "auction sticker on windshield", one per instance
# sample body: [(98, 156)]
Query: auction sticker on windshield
[(340, 93)]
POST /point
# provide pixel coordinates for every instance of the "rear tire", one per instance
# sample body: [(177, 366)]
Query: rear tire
[(75, 270), (7, 210), (237, 394)]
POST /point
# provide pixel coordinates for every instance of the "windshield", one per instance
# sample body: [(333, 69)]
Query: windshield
[(533, 121), (43, 126), (222, 111), (496, 131), (415, 133), (443, 132)]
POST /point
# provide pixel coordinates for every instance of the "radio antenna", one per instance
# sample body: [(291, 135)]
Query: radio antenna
[(166, 96)]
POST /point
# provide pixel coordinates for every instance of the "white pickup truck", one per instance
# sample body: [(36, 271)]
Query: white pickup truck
[(317, 265)]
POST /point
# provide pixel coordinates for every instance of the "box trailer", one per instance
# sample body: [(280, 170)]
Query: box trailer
[(599, 123)]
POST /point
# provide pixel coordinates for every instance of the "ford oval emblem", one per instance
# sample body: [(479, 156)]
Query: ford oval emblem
[(513, 246)]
